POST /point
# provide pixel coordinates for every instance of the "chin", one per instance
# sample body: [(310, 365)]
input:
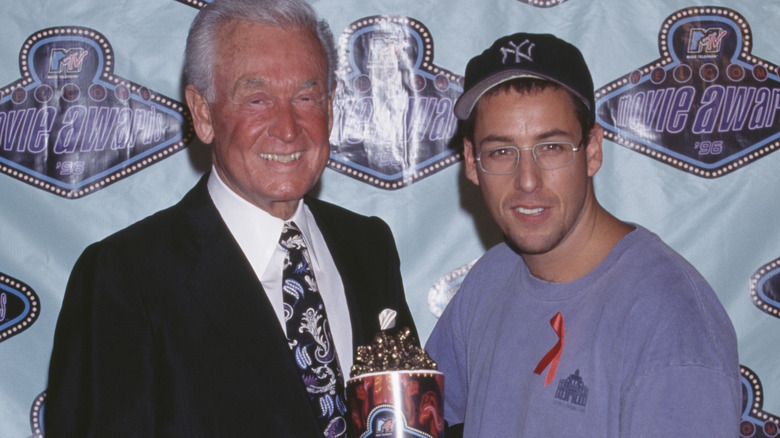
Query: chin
[(523, 245)]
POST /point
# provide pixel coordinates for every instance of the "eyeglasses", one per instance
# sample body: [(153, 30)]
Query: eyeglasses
[(504, 160)]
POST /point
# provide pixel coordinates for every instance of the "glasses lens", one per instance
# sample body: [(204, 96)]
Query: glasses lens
[(499, 160), (553, 155)]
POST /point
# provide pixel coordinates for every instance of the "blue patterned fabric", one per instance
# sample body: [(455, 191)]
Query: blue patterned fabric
[(309, 336)]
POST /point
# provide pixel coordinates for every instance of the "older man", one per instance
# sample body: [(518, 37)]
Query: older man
[(235, 312), (580, 324)]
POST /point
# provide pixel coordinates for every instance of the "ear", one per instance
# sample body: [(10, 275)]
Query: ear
[(471, 161), (201, 114), (330, 111), (594, 154)]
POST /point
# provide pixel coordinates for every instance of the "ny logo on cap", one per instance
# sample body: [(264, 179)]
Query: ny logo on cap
[(516, 50)]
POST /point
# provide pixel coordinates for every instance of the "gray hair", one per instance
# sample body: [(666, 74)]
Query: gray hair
[(201, 53)]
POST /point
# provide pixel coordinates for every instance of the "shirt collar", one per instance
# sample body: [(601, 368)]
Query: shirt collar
[(249, 223)]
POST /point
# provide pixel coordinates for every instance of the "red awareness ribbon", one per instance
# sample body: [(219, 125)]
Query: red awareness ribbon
[(554, 355)]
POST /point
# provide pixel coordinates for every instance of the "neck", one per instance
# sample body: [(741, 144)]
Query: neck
[(282, 210), (582, 251)]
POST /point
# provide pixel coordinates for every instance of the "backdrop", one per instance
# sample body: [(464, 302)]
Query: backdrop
[(94, 136)]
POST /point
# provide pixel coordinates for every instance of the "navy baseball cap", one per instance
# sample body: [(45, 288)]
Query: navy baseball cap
[(525, 55)]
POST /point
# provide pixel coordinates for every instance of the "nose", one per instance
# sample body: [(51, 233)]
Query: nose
[(527, 175), (285, 123)]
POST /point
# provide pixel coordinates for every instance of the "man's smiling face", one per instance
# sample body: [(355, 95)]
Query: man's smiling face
[(538, 210), (270, 121)]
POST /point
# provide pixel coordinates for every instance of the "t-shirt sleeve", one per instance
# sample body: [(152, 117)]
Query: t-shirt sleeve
[(681, 400), (446, 346)]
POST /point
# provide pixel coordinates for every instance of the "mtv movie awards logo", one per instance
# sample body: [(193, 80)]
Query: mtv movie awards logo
[(442, 291), (707, 106), (19, 307), (756, 423), (70, 126), (765, 294), (392, 116), (36, 415), (765, 288)]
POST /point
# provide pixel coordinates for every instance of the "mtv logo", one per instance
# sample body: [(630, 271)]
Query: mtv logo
[(66, 61), (706, 40)]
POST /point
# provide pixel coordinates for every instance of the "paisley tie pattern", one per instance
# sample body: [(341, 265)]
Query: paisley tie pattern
[(309, 336)]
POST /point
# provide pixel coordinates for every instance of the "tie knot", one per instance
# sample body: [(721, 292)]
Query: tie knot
[(292, 238)]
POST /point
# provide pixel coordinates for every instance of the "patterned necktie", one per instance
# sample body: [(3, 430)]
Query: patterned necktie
[(309, 337)]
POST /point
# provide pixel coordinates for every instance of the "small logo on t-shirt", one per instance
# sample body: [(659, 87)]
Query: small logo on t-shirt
[(572, 390)]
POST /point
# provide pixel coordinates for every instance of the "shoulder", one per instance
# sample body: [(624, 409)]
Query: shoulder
[(336, 220), (496, 263), (192, 217), (671, 305), (357, 243), (652, 274), (481, 285), (646, 261), (326, 209)]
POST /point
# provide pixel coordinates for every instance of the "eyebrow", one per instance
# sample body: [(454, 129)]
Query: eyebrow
[(259, 83), (495, 138), (252, 83), (310, 83)]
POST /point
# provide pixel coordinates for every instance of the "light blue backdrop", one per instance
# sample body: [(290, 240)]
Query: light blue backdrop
[(727, 226)]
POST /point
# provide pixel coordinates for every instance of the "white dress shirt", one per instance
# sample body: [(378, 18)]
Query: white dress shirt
[(257, 233)]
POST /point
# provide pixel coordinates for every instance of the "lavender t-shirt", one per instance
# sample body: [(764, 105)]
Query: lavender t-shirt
[(647, 350)]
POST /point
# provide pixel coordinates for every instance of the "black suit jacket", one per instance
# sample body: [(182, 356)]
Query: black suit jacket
[(165, 329)]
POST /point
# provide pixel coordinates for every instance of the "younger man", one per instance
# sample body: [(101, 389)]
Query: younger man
[(579, 324)]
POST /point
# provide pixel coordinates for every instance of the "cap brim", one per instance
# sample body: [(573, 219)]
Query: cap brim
[(467, 100)]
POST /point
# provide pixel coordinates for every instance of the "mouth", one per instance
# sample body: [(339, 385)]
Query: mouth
[(530, 211), (281, 158)]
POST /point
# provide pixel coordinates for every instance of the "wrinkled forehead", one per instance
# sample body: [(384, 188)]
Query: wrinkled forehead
[(290, 51), (236, 34)]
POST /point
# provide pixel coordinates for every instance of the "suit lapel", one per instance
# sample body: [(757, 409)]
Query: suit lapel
[(229, 293), (336, 238), (368, 269)]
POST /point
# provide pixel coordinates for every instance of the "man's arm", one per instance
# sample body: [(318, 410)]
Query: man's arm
[(687, 400), (100, 377), (447, 347)]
